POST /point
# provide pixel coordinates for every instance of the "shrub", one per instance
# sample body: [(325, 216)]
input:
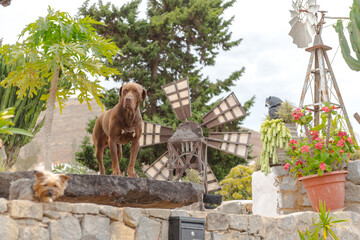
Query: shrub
[(237, 184), (192, 175)]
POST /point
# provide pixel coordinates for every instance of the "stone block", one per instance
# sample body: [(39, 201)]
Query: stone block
[(198, 214), (279, 171), (286, 223), (3, 205), (288, 184), (305, 201), (60, 207), (352, 192), (65, 229), (148, 229), (95, 228), (217, 222), (52, 214), (85, 208), (8, 228), (131, 216), (119, 230), (239, 222), (264, 194), (159, 213), (255, 222), (113, 213), (31, 233), (179, 213), (164, 230), (25, 209), (353, 169), (286, 200), (231, 207)]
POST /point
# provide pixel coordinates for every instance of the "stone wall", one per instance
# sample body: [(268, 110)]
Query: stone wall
[(21, 219), (278, 193)]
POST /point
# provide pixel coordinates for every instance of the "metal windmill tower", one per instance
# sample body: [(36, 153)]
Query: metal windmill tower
[(187, 147), (320, 84)]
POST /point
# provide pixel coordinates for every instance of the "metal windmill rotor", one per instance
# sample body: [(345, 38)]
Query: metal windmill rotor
[(187, 146)]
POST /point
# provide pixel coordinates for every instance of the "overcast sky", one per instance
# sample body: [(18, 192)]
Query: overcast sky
[(274, 66)]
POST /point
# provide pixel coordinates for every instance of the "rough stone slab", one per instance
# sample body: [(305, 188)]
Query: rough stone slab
[(279, 171), (85, 208), (288, 183), (164, 230), (159, 213), (95, 228), (217, 222), (51, 214), (179, 213), (31, 233), (25, 209), (3, 205), (131, 216), (112, 212), (8, 228), (65, 229), (119, 230), (59, 206), (286, 200), (148, 229), (353, 169), (119, 191), (238, 222), (352, 192)]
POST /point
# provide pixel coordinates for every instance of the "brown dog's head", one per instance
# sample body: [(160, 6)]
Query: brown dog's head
[(131, 94), (49, 186)]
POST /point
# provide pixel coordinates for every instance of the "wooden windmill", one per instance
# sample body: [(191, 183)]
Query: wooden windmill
[(320, 84), (187, 147)]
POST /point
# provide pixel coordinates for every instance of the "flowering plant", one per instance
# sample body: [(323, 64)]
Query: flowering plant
[(325, 147)]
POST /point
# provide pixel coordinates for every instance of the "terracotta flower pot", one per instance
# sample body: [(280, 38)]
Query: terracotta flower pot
[(329, 188)]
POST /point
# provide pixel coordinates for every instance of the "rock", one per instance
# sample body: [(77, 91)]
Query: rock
[(255, 224), (279, 171), (112, 212), (179, 213), (353, 169), (286, 200), (51, 214), (239, 222), (85, 208), (352, 192), (60, 206), (236, 207), (216, 221), (3, 205), (159, 213), (64, 229), (131, 216), (25, 209), (31, 233), (8, 228), (164, 230), (148, 229), (119, 230), (288, 183), (119, 191), (95, 228)]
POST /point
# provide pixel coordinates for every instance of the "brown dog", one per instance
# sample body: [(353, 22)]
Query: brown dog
[(118, 126)]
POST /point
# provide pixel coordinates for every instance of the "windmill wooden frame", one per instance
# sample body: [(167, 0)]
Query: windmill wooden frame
[(187, 147)]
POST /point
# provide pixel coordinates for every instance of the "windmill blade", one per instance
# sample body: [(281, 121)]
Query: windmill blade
[(159, 170), (154, 134), (227, 110), (178, 95), (236, 143), (212, 183), (300, 34)]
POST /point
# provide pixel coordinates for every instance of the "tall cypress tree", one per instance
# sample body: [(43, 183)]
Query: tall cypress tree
[(176, 39)]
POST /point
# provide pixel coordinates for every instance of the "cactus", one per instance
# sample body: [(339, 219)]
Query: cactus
[(27, 111), (354, 34), (274, 135)]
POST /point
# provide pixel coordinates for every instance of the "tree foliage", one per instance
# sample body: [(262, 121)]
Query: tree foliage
[(62, 51), (176, 39)]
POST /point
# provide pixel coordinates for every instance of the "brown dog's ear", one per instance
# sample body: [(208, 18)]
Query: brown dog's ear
[(64, 177), (144, 94), (39, 174), (120, 91)]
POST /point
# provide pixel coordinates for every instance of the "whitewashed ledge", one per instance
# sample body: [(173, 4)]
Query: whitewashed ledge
[(21, 219), (119, 191)]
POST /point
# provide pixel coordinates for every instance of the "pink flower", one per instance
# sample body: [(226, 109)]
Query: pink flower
[(293, 142), (326, 109), (333, 107), (315, 134), (286, 166), (318, 139), (341, 151), (305, 149), (341, 143), (319, 146), (298, 162), (342, 134), (350, 140), (322, 166), (297, 114)]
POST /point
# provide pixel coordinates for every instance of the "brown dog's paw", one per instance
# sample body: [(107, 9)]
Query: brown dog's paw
[(132, 174)]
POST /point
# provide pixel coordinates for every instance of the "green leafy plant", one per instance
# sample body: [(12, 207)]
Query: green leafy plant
[(285, 110), (322, 226), (237, 184), (192, 175), (274, 135), (72, 167), (324, 149), (5, 122)]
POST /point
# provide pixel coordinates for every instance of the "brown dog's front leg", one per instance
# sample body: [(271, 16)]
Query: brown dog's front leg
[(114, 157), (133, 154)]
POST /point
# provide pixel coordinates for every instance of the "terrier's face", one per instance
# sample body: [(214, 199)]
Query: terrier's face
[(49, 186)]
